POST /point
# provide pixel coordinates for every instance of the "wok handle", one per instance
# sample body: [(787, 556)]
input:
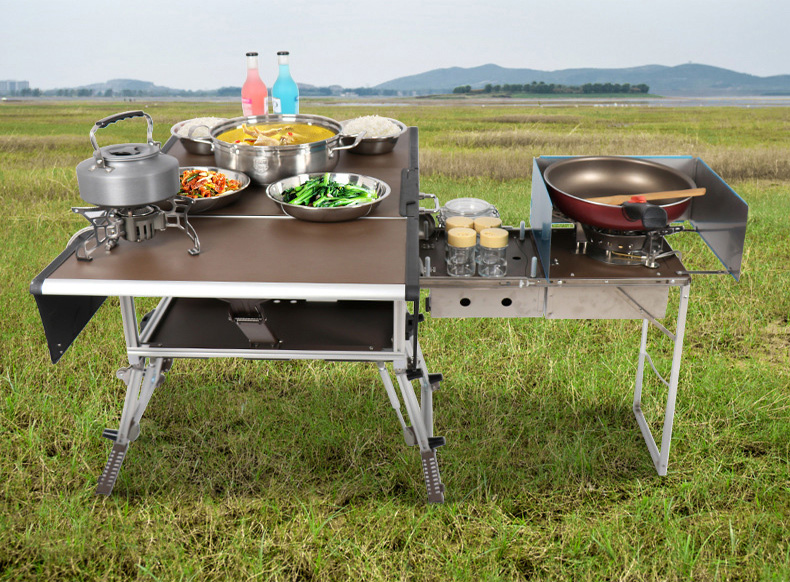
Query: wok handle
[(620, 198), (650, 215)]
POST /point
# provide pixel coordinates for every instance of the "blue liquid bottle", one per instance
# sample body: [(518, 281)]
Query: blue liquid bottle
[(285, 93)]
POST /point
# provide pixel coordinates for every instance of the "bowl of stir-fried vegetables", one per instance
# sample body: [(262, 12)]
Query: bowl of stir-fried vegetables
[(211, 187), (328, 196)]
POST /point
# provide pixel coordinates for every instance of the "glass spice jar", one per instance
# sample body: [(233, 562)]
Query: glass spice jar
[(461, 249), (492, 252)]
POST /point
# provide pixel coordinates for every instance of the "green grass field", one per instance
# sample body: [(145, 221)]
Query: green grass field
[(297, 470)]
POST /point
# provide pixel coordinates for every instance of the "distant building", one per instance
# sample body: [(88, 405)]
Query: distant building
[(11, 87)]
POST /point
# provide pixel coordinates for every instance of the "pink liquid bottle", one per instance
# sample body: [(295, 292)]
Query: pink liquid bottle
[(253, 93)]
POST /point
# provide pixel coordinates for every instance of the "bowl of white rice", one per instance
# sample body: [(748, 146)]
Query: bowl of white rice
[(198, 127), (380, 134)]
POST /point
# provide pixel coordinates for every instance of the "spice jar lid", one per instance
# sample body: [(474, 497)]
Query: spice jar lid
[(458, 222), (493, 238), (462, 237), (484, 222)]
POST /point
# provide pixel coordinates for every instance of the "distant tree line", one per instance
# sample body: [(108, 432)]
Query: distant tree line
[(544, 88), (26, 92), (365, 91), (334, 90)]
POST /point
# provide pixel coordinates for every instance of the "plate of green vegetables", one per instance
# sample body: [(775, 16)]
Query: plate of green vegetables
[(328, 196)]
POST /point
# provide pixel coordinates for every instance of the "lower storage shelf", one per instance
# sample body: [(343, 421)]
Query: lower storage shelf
[(294, 325)]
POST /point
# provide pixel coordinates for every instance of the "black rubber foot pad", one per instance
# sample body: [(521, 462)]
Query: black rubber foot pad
[(436, 442), (413, 374)]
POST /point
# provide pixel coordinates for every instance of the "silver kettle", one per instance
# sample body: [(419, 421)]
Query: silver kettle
[(127, 175)]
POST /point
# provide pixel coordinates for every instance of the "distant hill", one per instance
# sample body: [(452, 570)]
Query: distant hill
[(688, 80), (682, 80), (120, 85), (134, 87)]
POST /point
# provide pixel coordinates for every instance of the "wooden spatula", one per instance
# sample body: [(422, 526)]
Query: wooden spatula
[(649, 197)]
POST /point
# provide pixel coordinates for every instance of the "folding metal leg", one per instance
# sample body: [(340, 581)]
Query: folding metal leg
[(430, 466), (428, 383), (661, 457), (408, 434), (141, 380), (418, 433)]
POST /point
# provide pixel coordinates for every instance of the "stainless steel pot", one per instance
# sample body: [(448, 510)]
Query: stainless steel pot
[(267, 164), (127, 175), (373, 146)]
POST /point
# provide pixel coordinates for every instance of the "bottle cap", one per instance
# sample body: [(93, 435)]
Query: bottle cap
[(484, 222), (458, 222), (462, 237), (283, 53), (493, 238), (252, 54)]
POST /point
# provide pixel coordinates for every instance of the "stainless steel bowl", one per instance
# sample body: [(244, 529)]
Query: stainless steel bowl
[(193, 145), (275, 192), (372, 146), (267, 164), (205, 204)]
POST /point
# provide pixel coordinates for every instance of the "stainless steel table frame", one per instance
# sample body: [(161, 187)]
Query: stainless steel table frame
[(257, 272), (148, 364)]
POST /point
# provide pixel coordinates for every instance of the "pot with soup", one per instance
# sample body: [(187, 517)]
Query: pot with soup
[(270, 147)]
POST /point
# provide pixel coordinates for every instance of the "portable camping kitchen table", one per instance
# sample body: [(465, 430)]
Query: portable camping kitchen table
[(267, 286)]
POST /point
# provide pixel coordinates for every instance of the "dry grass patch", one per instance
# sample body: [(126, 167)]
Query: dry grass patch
[(760, 163), (527, 119), (495, 164), (570, 143), (507, 155), (37, 143)]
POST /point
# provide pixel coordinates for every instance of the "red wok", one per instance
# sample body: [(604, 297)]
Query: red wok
[(570, 182)]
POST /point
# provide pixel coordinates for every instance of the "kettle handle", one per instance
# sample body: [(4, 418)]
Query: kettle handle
[(102, 123)]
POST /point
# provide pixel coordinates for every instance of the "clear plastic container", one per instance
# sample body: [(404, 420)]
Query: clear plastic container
[(492, 253), (461, 250)]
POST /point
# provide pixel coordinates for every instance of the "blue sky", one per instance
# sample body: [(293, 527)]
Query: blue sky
[(199, 44)]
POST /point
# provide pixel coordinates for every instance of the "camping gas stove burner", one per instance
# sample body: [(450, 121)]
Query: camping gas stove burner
[(624, 247), (133, 224)]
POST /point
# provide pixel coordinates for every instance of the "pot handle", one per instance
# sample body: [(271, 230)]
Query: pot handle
[(651, 215), (357, 138), (102, 123), (200, 139)]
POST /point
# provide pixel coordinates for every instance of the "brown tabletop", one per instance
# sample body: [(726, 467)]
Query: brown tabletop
[(250, 249), (257, 257)]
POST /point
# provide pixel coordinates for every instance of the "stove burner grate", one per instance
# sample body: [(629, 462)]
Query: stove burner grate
[(624, 247), (136, 224)]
